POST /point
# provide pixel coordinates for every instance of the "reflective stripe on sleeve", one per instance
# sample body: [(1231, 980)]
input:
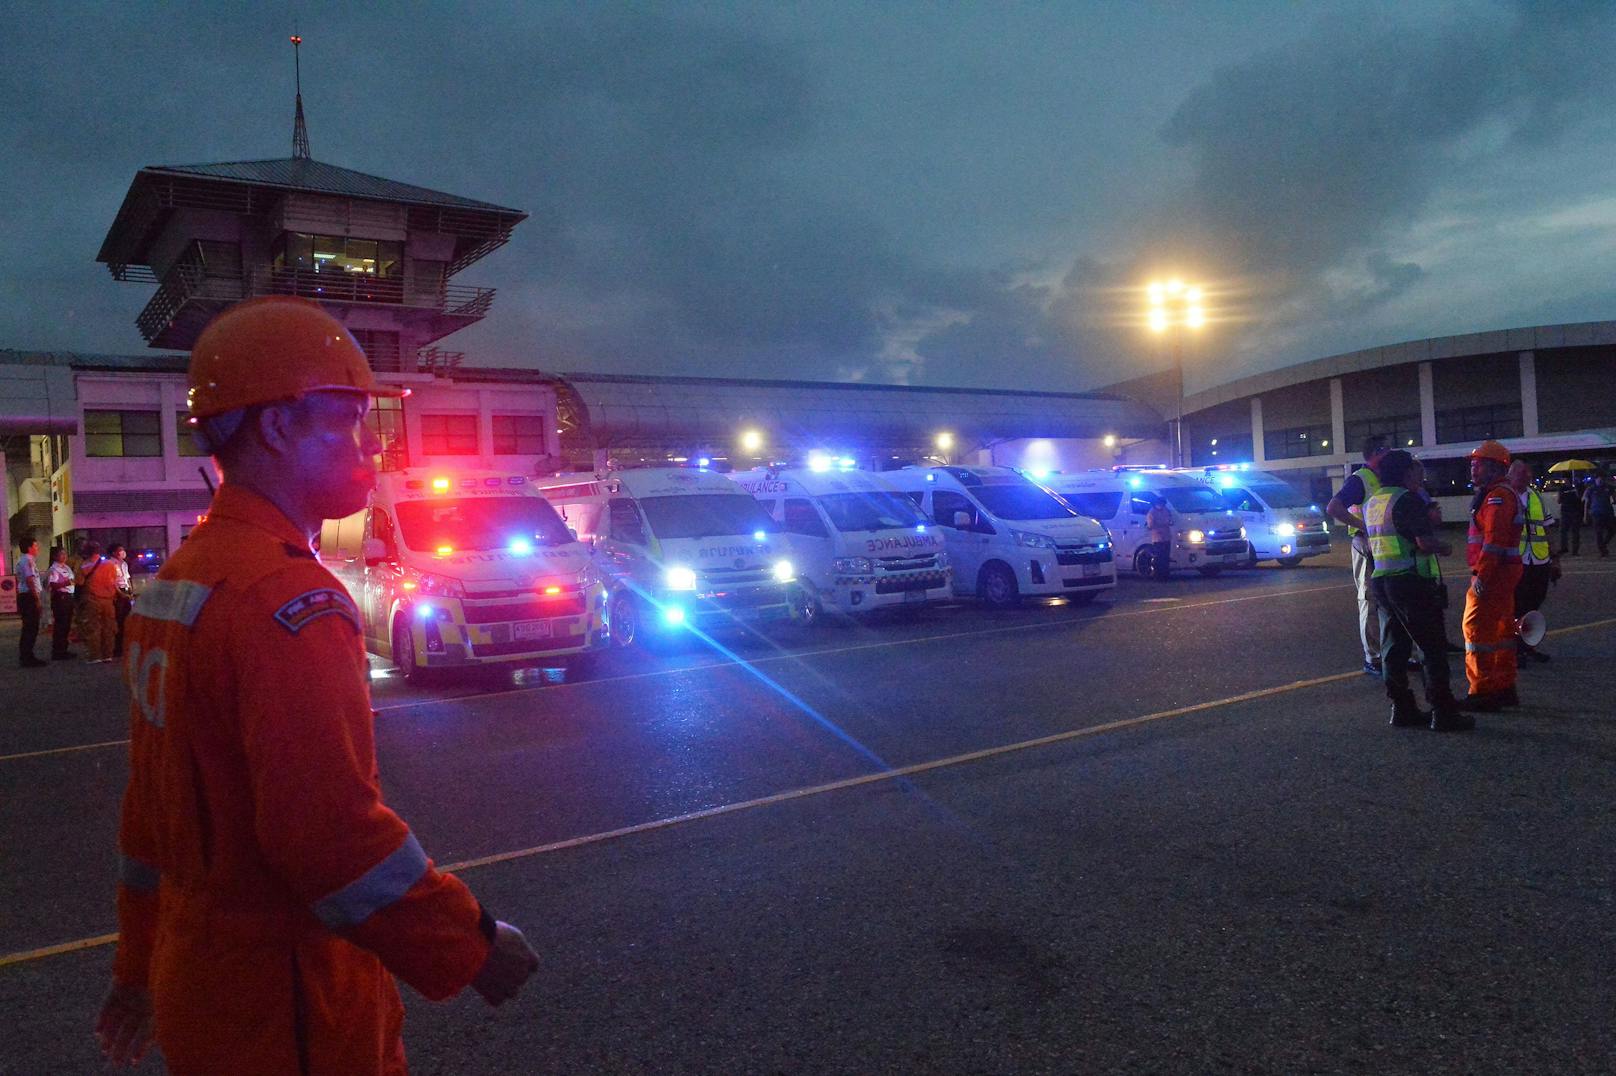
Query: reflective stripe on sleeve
[(1500, 550), (133, 874), (374, 890), (176, 600)]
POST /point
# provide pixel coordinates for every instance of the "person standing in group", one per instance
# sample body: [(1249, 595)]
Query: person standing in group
[(1570, 505), (1601, 513), (29, 600), (59, 584), (89, 560), (1346, 508), (1409, 595), (1539, 566), (124, 599), (268, 895), (1159, 522), (1493, 549), (99, 600)]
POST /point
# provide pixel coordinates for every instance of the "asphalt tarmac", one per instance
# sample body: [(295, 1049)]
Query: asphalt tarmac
[(1167, 832)]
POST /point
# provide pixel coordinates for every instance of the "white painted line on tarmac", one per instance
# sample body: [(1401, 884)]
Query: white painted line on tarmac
[(819, 790), (64, 750)]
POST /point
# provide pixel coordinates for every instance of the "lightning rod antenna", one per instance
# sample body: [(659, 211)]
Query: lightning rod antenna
[(300, 131)]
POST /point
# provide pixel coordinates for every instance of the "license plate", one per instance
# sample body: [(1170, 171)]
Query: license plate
[(914, 595), (1090, 570), (530, 629)]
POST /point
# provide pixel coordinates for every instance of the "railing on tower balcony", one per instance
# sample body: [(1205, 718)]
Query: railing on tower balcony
[(192, 277), (455, 299), (434, 360)]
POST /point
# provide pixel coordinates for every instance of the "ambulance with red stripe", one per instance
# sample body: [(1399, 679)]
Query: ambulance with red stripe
[(459, 569)]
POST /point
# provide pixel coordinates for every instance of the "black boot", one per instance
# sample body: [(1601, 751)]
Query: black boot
[(1406, 714), (1451, 720)]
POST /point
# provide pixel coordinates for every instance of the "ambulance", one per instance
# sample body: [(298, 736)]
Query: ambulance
[(682, 548), (1008, 537), (1280, 521), (859, 544), (1207, 536), (453, 570)]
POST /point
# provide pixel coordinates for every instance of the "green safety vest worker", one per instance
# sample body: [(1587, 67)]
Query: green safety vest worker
[(1536, 531), (1371, 486), (1394, 554)]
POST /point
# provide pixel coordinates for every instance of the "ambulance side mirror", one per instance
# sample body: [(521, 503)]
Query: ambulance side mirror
[(374, 550)]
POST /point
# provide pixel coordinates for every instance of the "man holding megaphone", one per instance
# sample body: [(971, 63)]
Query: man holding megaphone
[(1408, 590)]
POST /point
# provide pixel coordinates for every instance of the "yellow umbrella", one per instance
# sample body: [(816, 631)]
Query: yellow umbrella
[(1574, 465)]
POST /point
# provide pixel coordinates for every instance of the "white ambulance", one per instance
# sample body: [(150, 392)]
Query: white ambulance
[(1207, 536), (859, 544), (455, 569), (1007, 536), (682, 547), (1282, 524)]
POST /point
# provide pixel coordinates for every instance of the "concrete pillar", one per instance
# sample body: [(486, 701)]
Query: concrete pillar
[(1427, 406), (1259, 454), (1528, 394), (1338, 416)]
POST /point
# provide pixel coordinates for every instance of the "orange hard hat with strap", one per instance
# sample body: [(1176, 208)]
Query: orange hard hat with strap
[(275, 348), (1491, 450)]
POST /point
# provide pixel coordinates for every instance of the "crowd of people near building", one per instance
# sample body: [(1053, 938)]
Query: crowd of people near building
[(1402, 594), (83, 598)]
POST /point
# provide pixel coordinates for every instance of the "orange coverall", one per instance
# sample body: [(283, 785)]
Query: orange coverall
[(266, 891), (1494, 552)]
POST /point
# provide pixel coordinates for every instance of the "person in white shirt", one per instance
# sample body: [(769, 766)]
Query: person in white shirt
[(125, 599), (1539, 564), (59, 584), (29, 592)]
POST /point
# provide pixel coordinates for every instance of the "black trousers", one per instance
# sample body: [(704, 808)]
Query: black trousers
[(1533, 588), (1571, 533), (1161, 559), (1410, 616), (62, 610), (1604, 530), (28, 609)]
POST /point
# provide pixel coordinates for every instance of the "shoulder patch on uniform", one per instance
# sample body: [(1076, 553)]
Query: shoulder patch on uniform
[(310, 606), (1495, 500)]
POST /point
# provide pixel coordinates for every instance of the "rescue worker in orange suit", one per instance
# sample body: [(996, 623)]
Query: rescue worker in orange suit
[(1493, 549), (267, 895)]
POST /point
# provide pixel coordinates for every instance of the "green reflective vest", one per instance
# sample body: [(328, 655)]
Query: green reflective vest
[(1393, 554), (1371, 486), (1536, 532)]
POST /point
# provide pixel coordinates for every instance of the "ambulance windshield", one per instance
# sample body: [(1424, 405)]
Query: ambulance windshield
[(480, 523), (1014, 500), (706, 515), (874, 511), (1194, 499)]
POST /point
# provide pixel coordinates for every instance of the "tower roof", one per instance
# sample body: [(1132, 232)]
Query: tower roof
[(305, 174)]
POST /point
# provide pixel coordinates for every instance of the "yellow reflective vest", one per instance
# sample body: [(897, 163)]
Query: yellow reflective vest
[(1535, 534), (1393, 554), (1371, 486)]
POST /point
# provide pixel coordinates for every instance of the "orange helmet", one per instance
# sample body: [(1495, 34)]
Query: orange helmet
[(274, 348), (1491, 450)]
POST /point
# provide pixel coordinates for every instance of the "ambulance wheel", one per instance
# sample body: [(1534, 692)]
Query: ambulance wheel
[(1209, 570), (1289, 562), (807, 612), (1251, 556), (625, 620), (404, 655), (1141, 563), (996, 586)]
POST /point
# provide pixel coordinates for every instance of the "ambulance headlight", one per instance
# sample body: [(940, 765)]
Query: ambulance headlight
[(1284, 530), (1242, 532), (442, 585), (1037, 541), (852, 566), (679, 577), (1195, 537), (784, 571)]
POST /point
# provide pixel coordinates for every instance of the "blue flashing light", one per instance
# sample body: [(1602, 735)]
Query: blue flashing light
[(818, 462), (424, 611), (920, 528), (674, 614), (931, 477), (704, 461), (520, 546), (758, 536), (1226, 480), (847, 463), (1134, 483), (1039, 473)]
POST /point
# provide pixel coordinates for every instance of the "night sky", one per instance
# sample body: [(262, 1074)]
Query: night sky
[(948, 194)]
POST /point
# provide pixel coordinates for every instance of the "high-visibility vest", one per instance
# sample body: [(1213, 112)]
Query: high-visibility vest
[(1536, 532), (1393, 554), (1371, 486)]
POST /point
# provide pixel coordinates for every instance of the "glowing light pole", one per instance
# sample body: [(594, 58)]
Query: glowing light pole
[(1174, 307)]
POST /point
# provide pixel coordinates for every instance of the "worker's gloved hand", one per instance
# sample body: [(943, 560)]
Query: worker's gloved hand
[(124, 1027), (508, 966)]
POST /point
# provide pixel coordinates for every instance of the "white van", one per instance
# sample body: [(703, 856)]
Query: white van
[(1281, 523), (1206, 536), (459, 569), (858, 543), (682, 547), (1007, 536)]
